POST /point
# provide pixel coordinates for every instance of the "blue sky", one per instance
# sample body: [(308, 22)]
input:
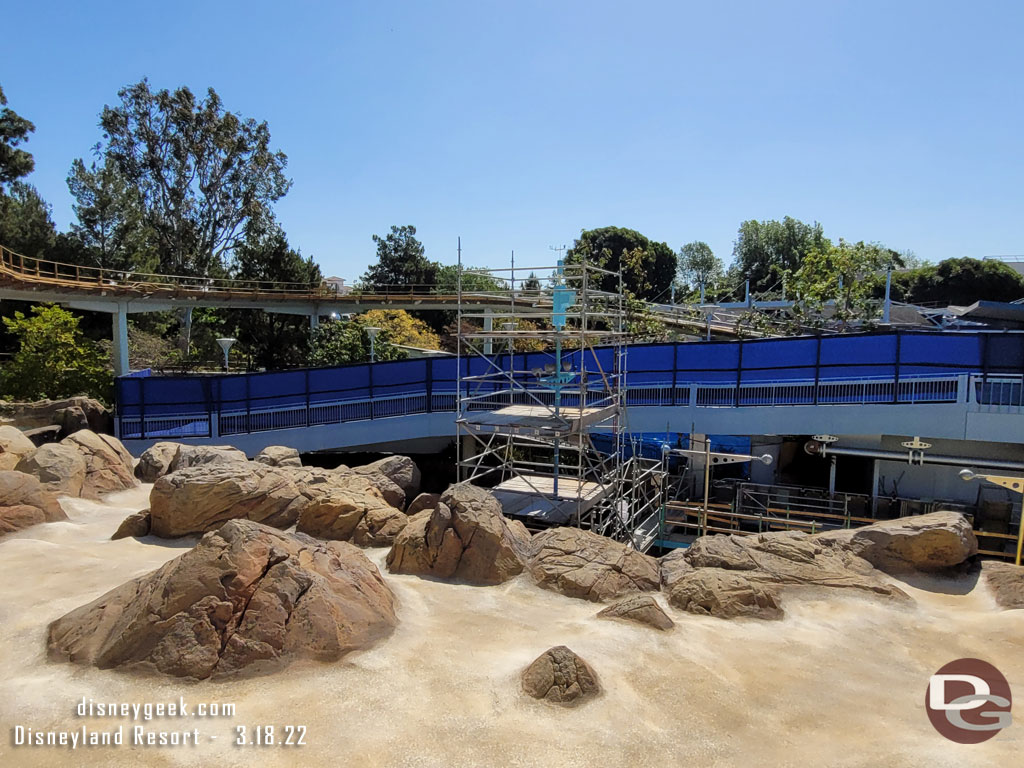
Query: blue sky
[(517, 124)]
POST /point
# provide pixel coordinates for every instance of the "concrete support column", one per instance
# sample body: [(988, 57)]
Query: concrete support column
[(488, 327), (697, 464), (119, 320), (468, 450), (314, 322)]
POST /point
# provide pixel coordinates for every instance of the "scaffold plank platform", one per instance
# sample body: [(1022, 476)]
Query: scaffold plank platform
[(534, 496), (535, 420)]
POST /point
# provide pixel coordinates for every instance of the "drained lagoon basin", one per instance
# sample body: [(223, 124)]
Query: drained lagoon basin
[(839, 682)]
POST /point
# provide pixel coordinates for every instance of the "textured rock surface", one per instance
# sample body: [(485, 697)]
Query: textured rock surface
[(245, 600), (589, 566), (58, 466), (785, 558), (155, 461), (279, 456), (202, 498), (136, 524), (423, 501), (70, 420), (24, 502), (401, 470), (465, 537), (14, 446), (642, 609), (560, 676), (108, 465), (42, 413), (919, 543), (1006, 581), (203, 455), (352, 509), (725, 594)]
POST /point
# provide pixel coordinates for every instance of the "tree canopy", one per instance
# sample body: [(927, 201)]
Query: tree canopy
[(26, 226), (14, 130), (648, 268), (844, 274), (53, 358), (340, 343), (202, 174), (956, 281), (401, 260), (765, 250), (699, 268)]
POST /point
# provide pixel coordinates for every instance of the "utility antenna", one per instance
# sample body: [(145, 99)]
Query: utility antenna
[(557, 249)]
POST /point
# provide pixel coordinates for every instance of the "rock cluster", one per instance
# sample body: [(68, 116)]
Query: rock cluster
[(560, 676), (584, 564), (246, 599), (83, 464), (72, 413), (464, 537), (24, 502)]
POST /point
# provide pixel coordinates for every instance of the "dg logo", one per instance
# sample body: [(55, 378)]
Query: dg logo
[(968, 701)]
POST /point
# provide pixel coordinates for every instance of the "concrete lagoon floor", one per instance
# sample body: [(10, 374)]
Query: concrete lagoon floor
[(839, 682)]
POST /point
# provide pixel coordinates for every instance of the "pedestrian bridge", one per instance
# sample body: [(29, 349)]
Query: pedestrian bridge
[(964, 386)]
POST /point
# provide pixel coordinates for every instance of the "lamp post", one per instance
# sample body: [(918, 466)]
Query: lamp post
[(372, 332), (226, 345), (1015, 484)]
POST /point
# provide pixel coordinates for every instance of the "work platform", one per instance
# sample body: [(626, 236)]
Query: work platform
[(534, 497), (536, 420)]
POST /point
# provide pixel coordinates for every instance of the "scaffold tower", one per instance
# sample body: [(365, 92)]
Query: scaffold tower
[(541, 417)]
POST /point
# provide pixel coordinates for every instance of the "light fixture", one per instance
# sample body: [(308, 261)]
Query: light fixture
[(226, 345)]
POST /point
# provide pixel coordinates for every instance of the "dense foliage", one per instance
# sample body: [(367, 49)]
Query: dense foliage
[(765, 251), (401, 261), (648, 268), (53, 358), (956, 281), (343, 342)]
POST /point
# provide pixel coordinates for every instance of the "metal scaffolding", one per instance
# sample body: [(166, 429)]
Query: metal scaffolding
[(541, 415)]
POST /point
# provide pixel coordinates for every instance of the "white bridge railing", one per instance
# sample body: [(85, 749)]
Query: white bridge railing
[(978, 392)]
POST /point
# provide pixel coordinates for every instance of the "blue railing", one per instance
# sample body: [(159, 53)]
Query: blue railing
[(863, 368)]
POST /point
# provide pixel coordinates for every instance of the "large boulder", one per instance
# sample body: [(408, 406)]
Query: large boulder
[(401, 470), (725, 594), (24, 502), (59, 467), (558, 675), (587, 565), (70, 420), (1005, 581), (44, 413), (245, 600), (14, 446), (199, 499), (108, 465), (465, 538), (931, 542), (352, 509), (155, 461), (640, 609), (783, 559), (279, 456), (204, 455)]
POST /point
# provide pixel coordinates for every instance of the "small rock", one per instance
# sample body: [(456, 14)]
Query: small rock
[(70, 420), (14, 446), (135, 525), (279, 456), (204, 455), (423, 501), (642, 609), (558, 675), (155, 461), (24, 502), (1006, 581)]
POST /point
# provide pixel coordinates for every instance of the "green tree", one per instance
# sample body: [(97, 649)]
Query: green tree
[(111, 229), (273, 340), (532, 283), (767, 250), (699, 268), (53, 358), (14, 130), (844, 274), (648, 268), (25, 223), (959, 282), (401, 261), (202, 174)]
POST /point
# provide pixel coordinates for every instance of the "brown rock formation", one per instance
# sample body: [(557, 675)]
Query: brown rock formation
[(14, 446), (108, 465), (1006, 581), (136, 524), (60, 468), (558, 675), (586, 565), (726, 594), (245, 600), (930, 542), (421, 502), (465, 538), (352, 509), (279, 456), (155, 461), (641, 609), (205, 455), (401, 470)]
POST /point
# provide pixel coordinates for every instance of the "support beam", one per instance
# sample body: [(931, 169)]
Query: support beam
[(488, 327), (314, 322), (120, 323)]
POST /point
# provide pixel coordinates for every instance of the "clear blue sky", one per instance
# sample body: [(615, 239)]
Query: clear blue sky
[(517, 124)]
